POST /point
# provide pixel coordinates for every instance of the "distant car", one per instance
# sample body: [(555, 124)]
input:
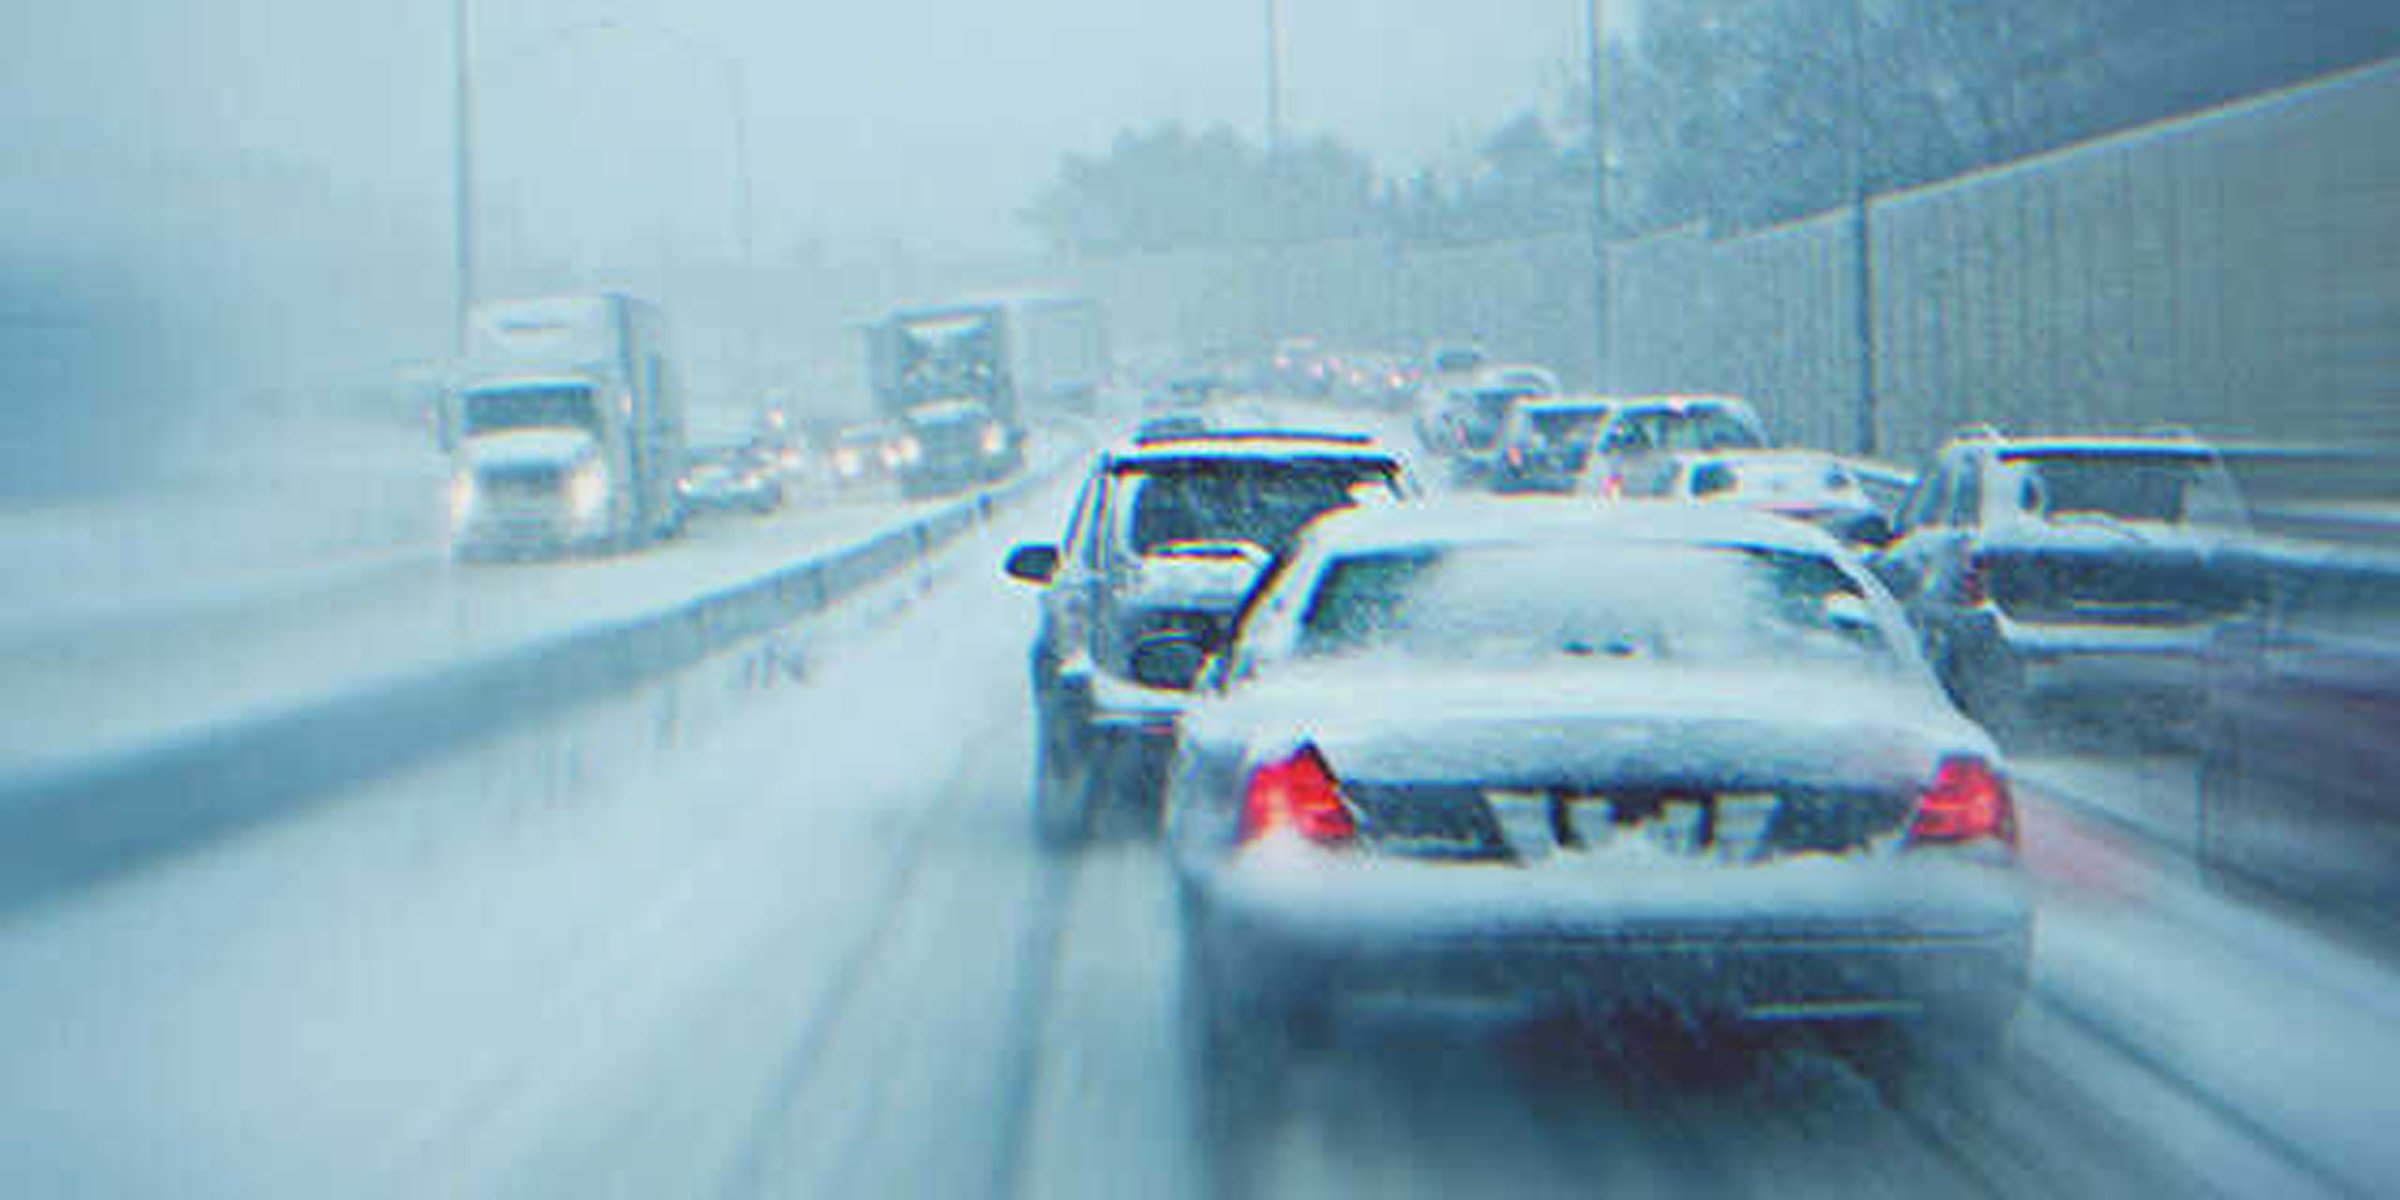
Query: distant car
[(732, 480), (1805, 485), (1471, 415), (2300, 740), (863, 454), (1544, 443), (1166, 539), (1641, 431), (1528, 760), (2068, 565), (951, 445)]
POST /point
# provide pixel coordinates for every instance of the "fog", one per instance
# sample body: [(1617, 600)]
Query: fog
[(210, 209)]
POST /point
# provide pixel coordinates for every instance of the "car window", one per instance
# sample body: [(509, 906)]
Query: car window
[(1924, 505), (1079, 517), (1264, 503), (1713, 478), (1574, 602), (1966, 494)]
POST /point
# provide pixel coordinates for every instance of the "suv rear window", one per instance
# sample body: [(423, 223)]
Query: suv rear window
[(1265, 503)]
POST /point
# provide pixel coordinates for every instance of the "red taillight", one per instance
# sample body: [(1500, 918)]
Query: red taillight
[(1967, 801), (1296, 795), (1974, 585), (1612, 486), (1516, 456)]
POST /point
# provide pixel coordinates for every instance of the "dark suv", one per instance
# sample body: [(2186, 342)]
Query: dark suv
[(1166, 539), (2045, 566)]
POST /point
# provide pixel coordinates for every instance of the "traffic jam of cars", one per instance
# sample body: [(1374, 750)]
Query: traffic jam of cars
[(1589, 711)]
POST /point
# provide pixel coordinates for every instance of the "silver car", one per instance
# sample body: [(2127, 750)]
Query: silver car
[(1532, 760)]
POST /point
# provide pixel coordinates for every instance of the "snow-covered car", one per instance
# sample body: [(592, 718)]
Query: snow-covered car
[(863, 454), (1469, 417), (2300, 739), (1166, 539), (2052, 566), (1545, 442), (1805, 485), (732, 479), (1640, 431), (1544, 760)]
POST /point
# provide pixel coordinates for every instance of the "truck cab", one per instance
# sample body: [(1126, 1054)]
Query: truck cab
[(568, 431)]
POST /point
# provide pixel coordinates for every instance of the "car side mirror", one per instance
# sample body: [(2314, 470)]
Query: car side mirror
[(1033, 564), (1169, 661)]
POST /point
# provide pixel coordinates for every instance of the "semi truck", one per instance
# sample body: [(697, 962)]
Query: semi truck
[(1009, 353), (566, 430)]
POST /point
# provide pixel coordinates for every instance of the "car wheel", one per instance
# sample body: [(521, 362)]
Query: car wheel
[(1932, 1050), (1062, 790), (1989, 685), (1236, 1043), (2216, 819)]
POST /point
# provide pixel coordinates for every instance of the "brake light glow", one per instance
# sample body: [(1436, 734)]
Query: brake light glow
[(1967, 801), (1296, 796)]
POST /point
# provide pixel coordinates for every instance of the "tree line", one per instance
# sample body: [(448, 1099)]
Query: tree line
[(1733, 114)]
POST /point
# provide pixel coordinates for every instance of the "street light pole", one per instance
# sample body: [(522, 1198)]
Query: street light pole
[(1603, 366), (1274, 78), (462, 199), (737, 95), (1862, 244), (1276, 206)]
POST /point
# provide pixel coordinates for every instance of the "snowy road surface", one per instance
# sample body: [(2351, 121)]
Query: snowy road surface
[(792, 937)]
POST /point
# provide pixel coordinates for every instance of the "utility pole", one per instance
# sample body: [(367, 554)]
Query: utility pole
[(1277, 207), (1595, 33), (462, 200), (1862, 244), (1274, 79)]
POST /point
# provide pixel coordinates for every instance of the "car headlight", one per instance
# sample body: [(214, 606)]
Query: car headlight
[(587, 491), (907, 450), (462, 496), (995, 439)]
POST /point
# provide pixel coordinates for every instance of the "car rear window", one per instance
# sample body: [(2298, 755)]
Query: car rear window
[(1689, 429), (1265, 503), (2129, 487), (1714, 604)]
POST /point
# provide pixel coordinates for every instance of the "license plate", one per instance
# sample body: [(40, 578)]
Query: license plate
[(1726, 827)]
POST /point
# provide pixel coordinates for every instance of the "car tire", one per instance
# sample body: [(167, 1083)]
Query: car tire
[(1931, 1051), (2218, 806), (1062, 790), (1989, 684), (1236, 1044)]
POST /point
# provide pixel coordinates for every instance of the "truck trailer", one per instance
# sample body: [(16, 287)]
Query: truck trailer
[(1011, 354)]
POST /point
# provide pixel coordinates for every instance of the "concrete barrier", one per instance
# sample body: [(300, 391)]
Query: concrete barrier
[(88, 823)]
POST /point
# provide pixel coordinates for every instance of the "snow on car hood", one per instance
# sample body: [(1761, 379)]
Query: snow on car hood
[(1438, 723), (528, 448)]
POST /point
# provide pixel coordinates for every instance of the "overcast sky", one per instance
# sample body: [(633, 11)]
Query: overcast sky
[(927, 121)]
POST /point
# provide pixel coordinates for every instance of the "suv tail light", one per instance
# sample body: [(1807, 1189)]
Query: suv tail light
[(1296, 795), (1967, 801)]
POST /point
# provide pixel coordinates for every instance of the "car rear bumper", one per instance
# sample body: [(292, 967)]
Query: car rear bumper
[(2101, 658), (1450, 959)]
